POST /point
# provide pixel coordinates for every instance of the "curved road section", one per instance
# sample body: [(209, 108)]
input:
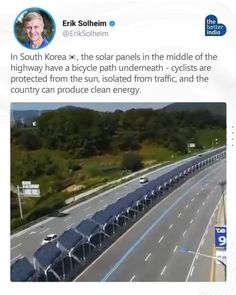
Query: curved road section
[(152, 250)]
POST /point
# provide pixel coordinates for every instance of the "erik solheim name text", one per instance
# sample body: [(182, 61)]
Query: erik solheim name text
[(84, 23)]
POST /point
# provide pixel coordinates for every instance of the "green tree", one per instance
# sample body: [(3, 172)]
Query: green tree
[(126, 140), (29, 140), (131, 161)]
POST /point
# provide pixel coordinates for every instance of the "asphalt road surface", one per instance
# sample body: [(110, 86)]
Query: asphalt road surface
[(26, 242), (154, 248)]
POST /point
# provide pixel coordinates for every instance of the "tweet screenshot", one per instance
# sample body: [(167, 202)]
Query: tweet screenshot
[(118, 146)]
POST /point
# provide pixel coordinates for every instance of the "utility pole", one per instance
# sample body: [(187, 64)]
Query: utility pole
[(19, 200)]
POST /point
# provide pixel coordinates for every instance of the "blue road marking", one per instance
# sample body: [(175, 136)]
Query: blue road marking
[(121, 260)]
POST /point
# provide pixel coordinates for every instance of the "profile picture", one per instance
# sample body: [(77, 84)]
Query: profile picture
[(34, 28)]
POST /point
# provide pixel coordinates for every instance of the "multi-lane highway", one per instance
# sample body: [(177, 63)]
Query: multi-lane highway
[(176, 219), (152, 250), (26, 242)]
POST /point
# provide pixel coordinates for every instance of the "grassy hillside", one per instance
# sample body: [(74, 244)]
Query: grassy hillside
[(208, 137), (62, 174)]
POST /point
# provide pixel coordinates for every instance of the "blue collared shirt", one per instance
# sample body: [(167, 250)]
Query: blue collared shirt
[(44, 44)]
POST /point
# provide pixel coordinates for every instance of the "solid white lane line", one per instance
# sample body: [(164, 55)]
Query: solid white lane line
[(46, 229), (132, 247), (161, 239), (18, 256), (175, 249), (164, 268), (179, 215), (148, 256), (133, 277), (187, 206), (170, 226), (191, 273), (70, 225), (202, 242), (16, 246), (191, 221), (184, 233), (202, 239)]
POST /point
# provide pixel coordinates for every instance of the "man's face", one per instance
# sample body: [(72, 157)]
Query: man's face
[(34, 29)]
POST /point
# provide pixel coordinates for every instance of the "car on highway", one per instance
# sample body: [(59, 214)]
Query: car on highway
[(49, 238), (143, 179)]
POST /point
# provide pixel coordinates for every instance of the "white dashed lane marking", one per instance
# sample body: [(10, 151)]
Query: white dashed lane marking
[(46, 229), (170, 226), (175, 249), (191, 273), (164, 268), (133, 277), (70, 225), (148, 256), (32, 232), (67, 218), (161, 239)]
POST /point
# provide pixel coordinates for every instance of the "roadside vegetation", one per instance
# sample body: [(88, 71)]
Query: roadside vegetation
[(72, 149)]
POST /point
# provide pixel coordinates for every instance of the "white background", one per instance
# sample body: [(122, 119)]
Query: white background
[(144, 26)]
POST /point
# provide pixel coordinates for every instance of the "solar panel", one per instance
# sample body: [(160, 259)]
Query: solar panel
[(46, 254), (22, 270), (87, 227), (70, 238)]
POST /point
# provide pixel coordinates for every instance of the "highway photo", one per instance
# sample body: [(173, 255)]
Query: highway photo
[(118, 192), (173, 241)]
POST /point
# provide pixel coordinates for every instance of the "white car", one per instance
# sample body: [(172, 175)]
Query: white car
[(143, 179), (49, 238)]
